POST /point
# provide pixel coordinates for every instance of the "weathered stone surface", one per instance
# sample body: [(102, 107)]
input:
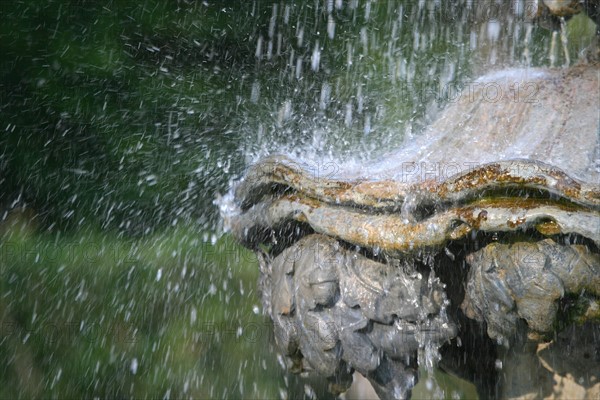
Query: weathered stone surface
[(506, 188), (527, 280), (336, 311), (393, 234)]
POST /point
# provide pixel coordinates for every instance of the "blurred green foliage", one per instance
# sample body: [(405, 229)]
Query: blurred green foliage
[(109, 107), (91, 315)]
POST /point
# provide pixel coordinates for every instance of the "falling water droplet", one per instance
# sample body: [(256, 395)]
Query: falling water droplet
[(133, 367), (315, 59), (330, 27)]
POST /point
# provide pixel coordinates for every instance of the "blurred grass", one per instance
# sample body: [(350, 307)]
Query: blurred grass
[(169, 315)]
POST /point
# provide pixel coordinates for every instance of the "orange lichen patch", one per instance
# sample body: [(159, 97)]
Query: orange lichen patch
[(301, 218), (472, 217), (472, 179), (338, 189), (516, 222), (298, 198), (517, 203), (429, 185), (467, 215), (534, 174), (592, 195), (381, 190)]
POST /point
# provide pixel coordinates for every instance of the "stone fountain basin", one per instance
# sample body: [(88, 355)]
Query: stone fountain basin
[(509, 173)]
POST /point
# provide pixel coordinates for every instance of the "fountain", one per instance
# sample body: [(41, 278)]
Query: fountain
[(451, 234), (123, 120), (479, 235)]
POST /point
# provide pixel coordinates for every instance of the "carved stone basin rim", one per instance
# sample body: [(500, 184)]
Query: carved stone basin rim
[(401, 217)]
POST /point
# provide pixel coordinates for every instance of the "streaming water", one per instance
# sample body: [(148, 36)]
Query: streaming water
[(123, 121), (398, 71)]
